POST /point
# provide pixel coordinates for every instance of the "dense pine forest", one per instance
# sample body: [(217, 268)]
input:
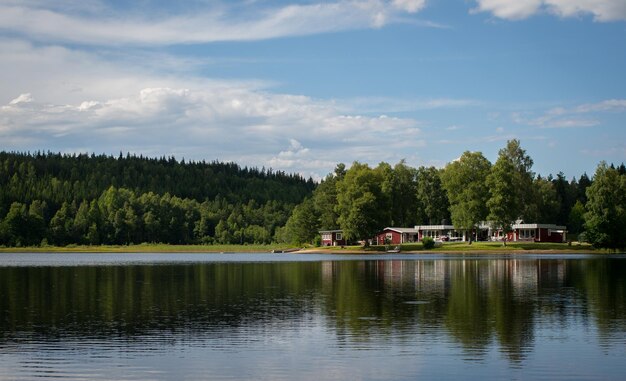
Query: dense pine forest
[(90, 199)]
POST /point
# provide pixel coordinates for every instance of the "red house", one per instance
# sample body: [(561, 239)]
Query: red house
[(332, 237), (537, 233), (396, 236)]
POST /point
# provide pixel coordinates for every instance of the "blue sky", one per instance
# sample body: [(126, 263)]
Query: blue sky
[(302, 86)]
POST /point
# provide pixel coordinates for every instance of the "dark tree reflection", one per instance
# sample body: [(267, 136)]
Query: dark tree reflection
[(477, 303)]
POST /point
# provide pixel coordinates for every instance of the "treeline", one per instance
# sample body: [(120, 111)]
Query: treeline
[(82, 199), (362, 200)]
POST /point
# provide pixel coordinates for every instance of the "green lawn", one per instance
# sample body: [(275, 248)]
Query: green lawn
[(408, 247), (150, 248), (477, 247), (513, 246)]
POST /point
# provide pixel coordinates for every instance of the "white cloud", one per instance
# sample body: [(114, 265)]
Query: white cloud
[(601, 10), (23, 98), (395, 105), (110, 27), (572, 122), (617, 151), (410, 6), (509, 9), (209, 122), (585, 115), (615, 105)]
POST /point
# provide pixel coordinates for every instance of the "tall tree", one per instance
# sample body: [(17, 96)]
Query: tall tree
[(14, 228), (583, 183), (566, 196), (504, 201), (361, 204), (523, 175), (576, 219), (61, 225), (325, 199), (81, 223), (512, 195), (432, 199), (605, 220), (546, 202), (465, 182), (303, 224), (403, 196), (37, 212)]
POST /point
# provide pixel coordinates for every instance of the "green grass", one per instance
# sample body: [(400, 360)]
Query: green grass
[(511, 247), (514, 246), (149, 248)]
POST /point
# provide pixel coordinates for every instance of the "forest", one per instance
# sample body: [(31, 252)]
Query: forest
[(362, 200), (48, 198), (56, 199)]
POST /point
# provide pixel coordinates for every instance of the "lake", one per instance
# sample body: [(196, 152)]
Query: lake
[(312, 317)]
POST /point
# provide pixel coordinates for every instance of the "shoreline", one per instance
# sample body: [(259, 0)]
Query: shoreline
[(464, 252), (258, 249)]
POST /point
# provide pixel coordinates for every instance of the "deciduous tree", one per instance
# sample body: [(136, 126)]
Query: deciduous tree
[(605, 220), (432, 199), (361, 204), (465, 183)]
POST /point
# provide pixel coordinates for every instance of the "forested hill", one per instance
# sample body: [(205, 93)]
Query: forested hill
[(56, 178), (93, 199)]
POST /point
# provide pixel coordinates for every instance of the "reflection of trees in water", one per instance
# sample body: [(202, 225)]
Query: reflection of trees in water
[(478, 303), (135, 299), (603, 283)]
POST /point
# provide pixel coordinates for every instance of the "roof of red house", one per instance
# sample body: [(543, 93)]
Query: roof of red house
[(401, 230)]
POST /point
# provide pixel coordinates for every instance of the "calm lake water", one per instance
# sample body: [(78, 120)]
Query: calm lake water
[(311, 317)]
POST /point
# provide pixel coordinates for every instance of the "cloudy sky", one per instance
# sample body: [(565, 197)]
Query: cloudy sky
[(302, 85)]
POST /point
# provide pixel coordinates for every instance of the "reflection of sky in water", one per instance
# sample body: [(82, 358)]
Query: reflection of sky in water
[(307, 351), (372, 320)]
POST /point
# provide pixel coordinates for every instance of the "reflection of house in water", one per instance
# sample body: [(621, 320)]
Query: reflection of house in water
[(327, 270), (434, 277), (551, 273), (526, 276)]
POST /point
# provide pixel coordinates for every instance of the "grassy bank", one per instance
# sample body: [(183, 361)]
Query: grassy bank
[(447, 247), (148, 248), (475, 247)]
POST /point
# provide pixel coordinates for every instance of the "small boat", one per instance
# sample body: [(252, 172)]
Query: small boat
[(394, 250)]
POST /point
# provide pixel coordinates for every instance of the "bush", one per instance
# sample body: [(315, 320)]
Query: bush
[(428, 243)]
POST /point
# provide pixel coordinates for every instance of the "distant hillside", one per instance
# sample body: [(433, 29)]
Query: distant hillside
[(54, 185), (56, 178)]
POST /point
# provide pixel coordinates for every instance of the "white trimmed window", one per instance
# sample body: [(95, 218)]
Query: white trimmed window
[(338, 236), (432, 233)]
